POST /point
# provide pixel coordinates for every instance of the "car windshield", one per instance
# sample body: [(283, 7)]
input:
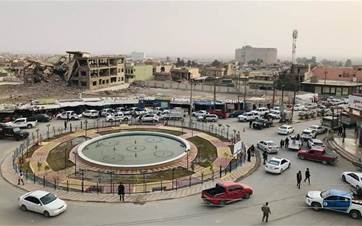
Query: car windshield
[(271, 144), (16, 129), (273, 162), (48, 198), (306, 132), (283, 127), (318, 143)]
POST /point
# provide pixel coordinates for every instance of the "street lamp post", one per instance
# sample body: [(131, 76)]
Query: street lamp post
[(245, 79), (191, 104), (86, 127), (48, 132)]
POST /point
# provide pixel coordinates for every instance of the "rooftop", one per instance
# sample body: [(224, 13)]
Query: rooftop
[(333, 83)]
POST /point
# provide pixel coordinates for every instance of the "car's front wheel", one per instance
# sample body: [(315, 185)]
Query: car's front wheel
[(324, 162), (29, 126), (23, 208), (46, 214), (316, 206), (247, 196)]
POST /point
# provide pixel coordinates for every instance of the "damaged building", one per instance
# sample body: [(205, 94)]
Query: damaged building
[(94, 72)]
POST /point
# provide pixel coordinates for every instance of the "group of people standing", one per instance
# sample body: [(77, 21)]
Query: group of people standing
[(306, 178)]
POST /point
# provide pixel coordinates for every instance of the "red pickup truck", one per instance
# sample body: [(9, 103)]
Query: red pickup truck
[(226, 192), (219, 113), (318, 154)]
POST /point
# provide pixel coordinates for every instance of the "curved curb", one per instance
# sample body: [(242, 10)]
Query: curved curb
[(342, 152)]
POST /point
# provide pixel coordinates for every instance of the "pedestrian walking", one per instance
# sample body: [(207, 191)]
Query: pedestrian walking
[(21, 178), (286, 142), (250, 123), (307, 176), (65, 125), (121, 192), (249, 154), (265, 157), (299, 178), (281, 143), (266, 212)]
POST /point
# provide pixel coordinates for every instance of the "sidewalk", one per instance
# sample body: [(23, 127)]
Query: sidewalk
[(246, 169), (349, 145)]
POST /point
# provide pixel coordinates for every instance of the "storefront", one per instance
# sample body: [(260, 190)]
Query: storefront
[(355, 111)]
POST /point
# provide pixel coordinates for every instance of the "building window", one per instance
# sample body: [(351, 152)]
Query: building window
[(122, 78), (94, 83), (326, 89), (114, 79), (83, 84), (333, 90), (339, 75), (345, 91), (317, 89), (83, 73), (107, 81), (122, 70)]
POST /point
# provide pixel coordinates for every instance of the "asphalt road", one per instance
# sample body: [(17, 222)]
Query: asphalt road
[(286, 201)]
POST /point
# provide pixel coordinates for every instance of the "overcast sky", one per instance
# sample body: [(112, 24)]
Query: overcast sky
[(215, 29)]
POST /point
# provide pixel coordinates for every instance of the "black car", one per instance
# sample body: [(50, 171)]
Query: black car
[(9, 131), (39, 118), (236, 114), (261, 124)]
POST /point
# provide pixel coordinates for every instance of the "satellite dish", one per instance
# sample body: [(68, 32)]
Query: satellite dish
[(295, 34)]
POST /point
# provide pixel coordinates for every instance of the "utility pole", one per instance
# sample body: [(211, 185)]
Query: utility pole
[(239, 91), (245, 78), (191, 105), (214, 106), (274, 77)]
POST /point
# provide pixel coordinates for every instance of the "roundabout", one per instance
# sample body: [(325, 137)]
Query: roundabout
[(285, 199)]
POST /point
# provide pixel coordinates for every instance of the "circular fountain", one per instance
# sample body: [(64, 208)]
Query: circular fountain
[(137, 149)]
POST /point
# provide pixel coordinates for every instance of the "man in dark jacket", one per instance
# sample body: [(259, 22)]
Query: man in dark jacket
[(249, 154), (307, 176), (121, 192), (265, 157), (266, 211), (299, 178)]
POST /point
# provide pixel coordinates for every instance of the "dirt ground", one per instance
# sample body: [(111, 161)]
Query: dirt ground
[(15, 94)]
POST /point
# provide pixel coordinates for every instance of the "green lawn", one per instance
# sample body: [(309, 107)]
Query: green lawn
[(207, 152), (56, 157)]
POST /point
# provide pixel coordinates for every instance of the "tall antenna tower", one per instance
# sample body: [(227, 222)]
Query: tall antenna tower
[(294, 47)]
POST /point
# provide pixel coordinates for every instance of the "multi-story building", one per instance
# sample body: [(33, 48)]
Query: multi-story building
[(248, 53), (213, 71), (139, 72), (95, 72)]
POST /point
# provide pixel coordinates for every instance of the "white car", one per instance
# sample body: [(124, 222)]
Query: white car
[(268, 146), (91, 113), (315, 143), (277, 165), (208, 118), (23, 123), (199, 113), (149, 118), (248, 116), (294, 144), (318, 129), (262, 111), (119, 116), (299, 107), (335, 200), (42, 202), (353, 178), (308, 134), (107, 111), (71, 115), (285, 129)]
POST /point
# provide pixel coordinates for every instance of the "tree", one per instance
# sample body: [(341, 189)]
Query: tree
[(180, 62), (216, 63), (348, 63), (255, 62)]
